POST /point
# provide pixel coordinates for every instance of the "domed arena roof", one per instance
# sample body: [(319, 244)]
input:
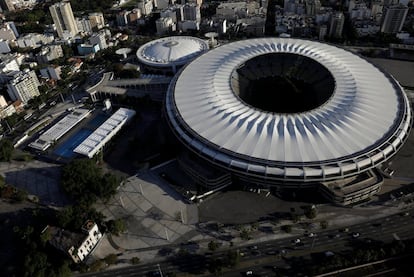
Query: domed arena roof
[(169, 51), (288, 109)]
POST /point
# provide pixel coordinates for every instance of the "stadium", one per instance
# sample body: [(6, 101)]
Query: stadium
[(288, 114)]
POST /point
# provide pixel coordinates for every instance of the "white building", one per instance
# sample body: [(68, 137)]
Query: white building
[(77, 246), (229, 10), (64, 20), (49, 53), (23, 86), (97, 20), (337, 25), (7, 34), (84, 25), (169, 13), (393, 19), (100, 39), (10, 25), (7, 111), (34, 40), (146, 7), (161, 4), (9, 65), (164, 25)]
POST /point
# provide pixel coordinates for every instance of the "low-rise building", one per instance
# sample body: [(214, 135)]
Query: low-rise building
[(51, 72), (49, 53), (86, 49), (76, 245), (34, 40)]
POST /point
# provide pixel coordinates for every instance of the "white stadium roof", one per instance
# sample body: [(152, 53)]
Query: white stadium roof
[(171, 51), (95, 141), (363, 123)]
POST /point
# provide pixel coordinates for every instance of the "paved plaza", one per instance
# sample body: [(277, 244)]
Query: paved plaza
[(155, 215), (38, 178)]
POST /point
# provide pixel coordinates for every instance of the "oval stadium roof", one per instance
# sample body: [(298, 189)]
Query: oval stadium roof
[(363, 123), (168, 51)]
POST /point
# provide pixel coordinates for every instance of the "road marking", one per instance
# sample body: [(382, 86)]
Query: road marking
[(396, 236)]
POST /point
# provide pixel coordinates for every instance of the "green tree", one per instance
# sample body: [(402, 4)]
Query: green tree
[(116, 226), (311, 213), (135, 260), (111, 259), (215, 266), (286, 228), (213, 245), (6, 150), (324, 224), (233, 258), (84, 180), (35, 265), (245, 234)]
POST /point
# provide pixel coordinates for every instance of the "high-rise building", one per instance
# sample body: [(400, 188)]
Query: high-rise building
[(100, 39), (393, 19), (337, 25), (23, 86), (64, 20), (164, 25), (97, 20), (146, 6), (192, 12), (84, 25), (7, 5), (312, 7)]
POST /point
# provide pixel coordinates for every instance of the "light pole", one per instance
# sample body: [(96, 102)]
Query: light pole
[(159, 270)]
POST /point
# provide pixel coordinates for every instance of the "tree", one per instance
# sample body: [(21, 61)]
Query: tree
[(213, 245), (6, 150), (324, 224), (111, 259), (116, 226), (245, 234), (286, 228), (135, 260), (311, 212), (215, 266), (233, 258), (35, 264), (84, 180)]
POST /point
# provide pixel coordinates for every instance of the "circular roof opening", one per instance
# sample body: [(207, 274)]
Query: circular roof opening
[(171, 43), (283, 83)]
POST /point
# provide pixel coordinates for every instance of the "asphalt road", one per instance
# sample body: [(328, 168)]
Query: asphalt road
[(260, 258)]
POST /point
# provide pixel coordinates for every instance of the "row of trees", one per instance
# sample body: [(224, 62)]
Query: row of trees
[(362, 253)]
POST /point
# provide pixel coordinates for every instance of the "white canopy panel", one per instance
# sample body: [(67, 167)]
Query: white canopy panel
[(95, 141), (367, 111)]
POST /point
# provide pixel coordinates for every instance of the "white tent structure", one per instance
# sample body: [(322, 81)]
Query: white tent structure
[(104, 133)]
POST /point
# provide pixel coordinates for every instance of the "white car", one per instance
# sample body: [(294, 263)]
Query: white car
[(355, 235), (311, 235), (249, 273), (296, 241)]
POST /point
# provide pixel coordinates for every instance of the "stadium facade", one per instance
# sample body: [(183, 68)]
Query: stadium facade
[(288, 114)]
